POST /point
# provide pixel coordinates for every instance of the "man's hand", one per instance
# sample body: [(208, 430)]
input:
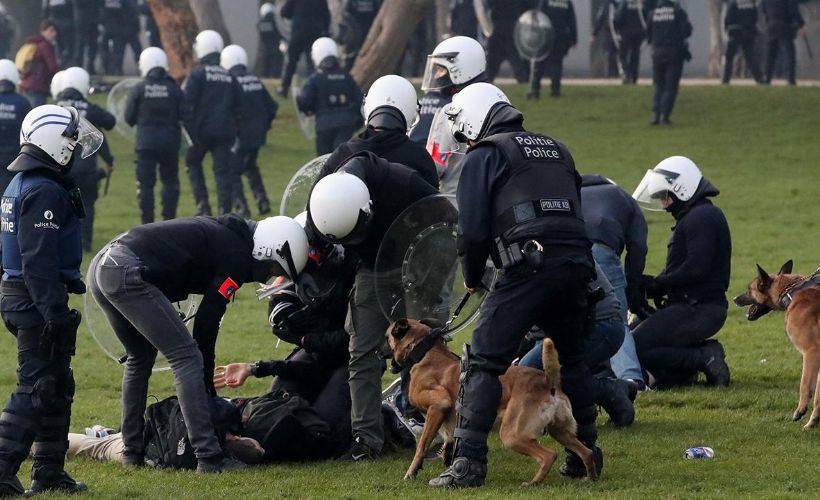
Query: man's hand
[(472, 290), (232, 375)]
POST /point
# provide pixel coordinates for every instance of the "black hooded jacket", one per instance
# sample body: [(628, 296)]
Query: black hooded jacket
[(212, 102), (154, 106), (392, 145), (698, 262)]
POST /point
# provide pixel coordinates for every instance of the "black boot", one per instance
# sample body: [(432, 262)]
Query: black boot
[(264, 207), (588, 434), (665, 120), (656, 119), (714, 364), (533, 95), (360, 451), (11, 487), (53, 479), (573, 466), (464, 473), (203, 209), (613, 396)]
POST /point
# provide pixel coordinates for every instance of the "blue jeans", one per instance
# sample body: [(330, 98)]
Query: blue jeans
[(600, 345), (625, 362)]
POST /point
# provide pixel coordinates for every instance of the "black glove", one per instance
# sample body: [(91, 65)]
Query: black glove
[(76, 287), (60, 335)]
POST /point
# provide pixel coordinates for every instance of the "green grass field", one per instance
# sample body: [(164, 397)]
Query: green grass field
[(758, 145)]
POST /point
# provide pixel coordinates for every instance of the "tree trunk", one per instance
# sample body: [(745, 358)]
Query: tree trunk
[(209, 17), (382, 50), (716, 46), (177, 29)]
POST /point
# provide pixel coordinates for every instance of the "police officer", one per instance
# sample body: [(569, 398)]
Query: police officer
[(562, 15), (629, 22), (13, 107), (135, 279), (258, 111), (332, 95), (357, 17), (783, 22), (212, 112), (453, 64), (86, 22), (62, 12), (155, 107), (740, 24), (390, 109), (674, 343), (667, 31), (269, 38), (86, 173), (500, 45), (355, 207), (310, 19), (519, 199), (41, 266), (603, 25), (118, 19)]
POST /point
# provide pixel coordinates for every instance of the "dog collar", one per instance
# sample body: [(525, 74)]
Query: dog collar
[(788, 294)]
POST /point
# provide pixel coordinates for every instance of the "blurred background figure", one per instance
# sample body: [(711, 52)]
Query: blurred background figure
[(86, 37), (37, 62), (562, 15), (62, 12), (120, 19), (602, 30), (740, 25), (7, 31), (629, 22), (151, 28), (13, 108), (310, 19), (783, 23), (500, 45), (357, 17), (462, 18), (667, 32), (269, 38)]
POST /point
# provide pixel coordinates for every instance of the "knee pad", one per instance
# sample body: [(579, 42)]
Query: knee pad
[(44, 392)]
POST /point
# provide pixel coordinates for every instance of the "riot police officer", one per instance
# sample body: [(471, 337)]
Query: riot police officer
[(258, 111), (453, 64), (357, 17), (269, 38), (675, 343), (562, 15), (13, 107), (62, 12), (86, 173), (212, 112), (740, 24), (118, 18), (629, 23), (155, 107), (783, 22), (135, 279), (355, 207), (667, 31), (309, 20), (500, 45), (332, 95), (86, 23), (520, 204), (42, 252), (390, 109)]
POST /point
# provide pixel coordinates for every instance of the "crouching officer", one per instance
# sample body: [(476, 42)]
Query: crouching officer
[(521, 205), (42, 252), (155, 107), (355, 207), (391, 108)]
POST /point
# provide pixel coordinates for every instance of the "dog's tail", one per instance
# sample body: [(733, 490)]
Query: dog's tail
[(552, 370)]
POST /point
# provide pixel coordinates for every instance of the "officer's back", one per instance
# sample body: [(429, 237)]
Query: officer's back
[(155, 108), (629, 18), (212, 99), (741, 16), (13, 108), (783, 17), (332, 95), (258, 109), (312, 16), (669, 26)]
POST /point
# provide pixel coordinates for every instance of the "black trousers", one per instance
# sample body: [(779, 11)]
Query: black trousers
[(746, 42), (667, 69), (89, 185), (148, 162), (38, 413), (500, 47), (300, 43), (86, 44), (629, 56), (774, 46), (65, 42), (223, 172), (245, 164), (553, 67), (113, 46), (668, 342), (328, 140), (271, 58), (554, 298)]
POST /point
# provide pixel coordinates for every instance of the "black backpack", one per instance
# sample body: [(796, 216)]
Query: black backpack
[(287, 427)]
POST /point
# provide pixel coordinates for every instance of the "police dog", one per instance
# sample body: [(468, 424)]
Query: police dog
[(768, 292), (531, 404)]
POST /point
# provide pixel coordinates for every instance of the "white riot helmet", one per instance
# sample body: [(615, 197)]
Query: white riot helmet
[(282, 241), (340, 208), (76, 78), (56, 84), (455, 61), (390, 103), (57, 131), (8, 71), (152, 57), (233, 55), (207, 42), (266, 8), (676, 175), (322, 49), (472, 109)]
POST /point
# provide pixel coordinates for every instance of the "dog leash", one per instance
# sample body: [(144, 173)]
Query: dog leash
[(445, 332)]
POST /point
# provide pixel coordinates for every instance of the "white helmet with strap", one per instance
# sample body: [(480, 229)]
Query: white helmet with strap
[(152, 57), (266, 8), (8, 71), (340, 208), (76, 78), (455, 61), (282, 241), (391, 92), (323, 48), (676, 175), (207, 42), (470, 111), (57, 130), (233, 55)]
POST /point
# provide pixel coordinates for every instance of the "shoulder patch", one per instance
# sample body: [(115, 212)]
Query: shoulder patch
[(228, 288)]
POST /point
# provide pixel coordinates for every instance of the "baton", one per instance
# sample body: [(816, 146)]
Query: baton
[(107, 182), (808, 46)]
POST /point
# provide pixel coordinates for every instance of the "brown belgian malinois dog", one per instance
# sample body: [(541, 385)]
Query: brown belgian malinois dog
[(531, 404), (799, 296)]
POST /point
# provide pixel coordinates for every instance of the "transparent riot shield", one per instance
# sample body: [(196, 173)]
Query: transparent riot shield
[(295, 197), (534, 35), (307, 123), (117, 99)]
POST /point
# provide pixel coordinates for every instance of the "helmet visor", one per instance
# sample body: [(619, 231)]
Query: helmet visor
[(440, 142), (88, 137), (652, 191), (436, 75)]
